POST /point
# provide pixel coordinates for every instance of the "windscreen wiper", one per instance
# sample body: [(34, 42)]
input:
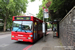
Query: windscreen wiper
[(25, 31), (17, 29)]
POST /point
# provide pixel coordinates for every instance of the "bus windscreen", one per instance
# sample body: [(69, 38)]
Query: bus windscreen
[(22, 26)]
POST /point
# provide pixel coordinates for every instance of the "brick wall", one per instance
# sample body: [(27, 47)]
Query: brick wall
[(67, 28)]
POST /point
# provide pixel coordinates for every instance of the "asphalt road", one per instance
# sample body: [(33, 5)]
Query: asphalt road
[(7, 44)]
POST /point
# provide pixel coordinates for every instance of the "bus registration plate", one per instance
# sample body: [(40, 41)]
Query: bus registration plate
[(20, 40)]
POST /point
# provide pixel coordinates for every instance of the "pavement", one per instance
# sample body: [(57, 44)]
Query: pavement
[(50, 44)]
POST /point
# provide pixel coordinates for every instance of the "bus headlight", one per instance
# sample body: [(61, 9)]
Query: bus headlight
[(12, 36), (29, 37)]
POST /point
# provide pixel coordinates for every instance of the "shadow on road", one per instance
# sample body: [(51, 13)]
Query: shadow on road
[(19, 42), (28, 43)]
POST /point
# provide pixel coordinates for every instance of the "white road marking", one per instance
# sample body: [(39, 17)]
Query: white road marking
[(4, 36)]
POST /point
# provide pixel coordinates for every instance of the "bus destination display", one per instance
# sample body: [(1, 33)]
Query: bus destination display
[(22, 18)]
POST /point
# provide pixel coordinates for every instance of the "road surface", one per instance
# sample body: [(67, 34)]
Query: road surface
[(7, 44)]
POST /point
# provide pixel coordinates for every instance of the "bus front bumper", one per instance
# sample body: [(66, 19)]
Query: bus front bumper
[(24, 40)]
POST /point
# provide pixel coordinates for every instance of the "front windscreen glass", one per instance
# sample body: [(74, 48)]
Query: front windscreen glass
[(22, 26)]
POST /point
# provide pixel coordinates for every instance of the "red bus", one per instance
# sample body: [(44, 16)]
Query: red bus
[(26, 28)]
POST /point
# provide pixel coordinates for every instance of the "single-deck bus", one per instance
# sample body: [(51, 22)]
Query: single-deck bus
[(26, 28)]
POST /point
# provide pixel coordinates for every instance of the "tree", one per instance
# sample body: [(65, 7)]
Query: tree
[(9, 8), (58, 8), (40, 14)]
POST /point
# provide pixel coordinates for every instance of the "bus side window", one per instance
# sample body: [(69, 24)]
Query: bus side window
[(39, 26)]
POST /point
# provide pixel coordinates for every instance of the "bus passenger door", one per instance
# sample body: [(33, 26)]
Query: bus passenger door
[(35, 31)]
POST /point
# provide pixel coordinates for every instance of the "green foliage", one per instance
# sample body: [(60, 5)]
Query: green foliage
[(49, 26), (56, 5), (58, 8), (44, 3), (40, 14), (32, 0), (9, 8)]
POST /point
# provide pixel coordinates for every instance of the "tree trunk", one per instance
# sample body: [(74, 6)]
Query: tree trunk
[(10, 28), (5, 21)]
